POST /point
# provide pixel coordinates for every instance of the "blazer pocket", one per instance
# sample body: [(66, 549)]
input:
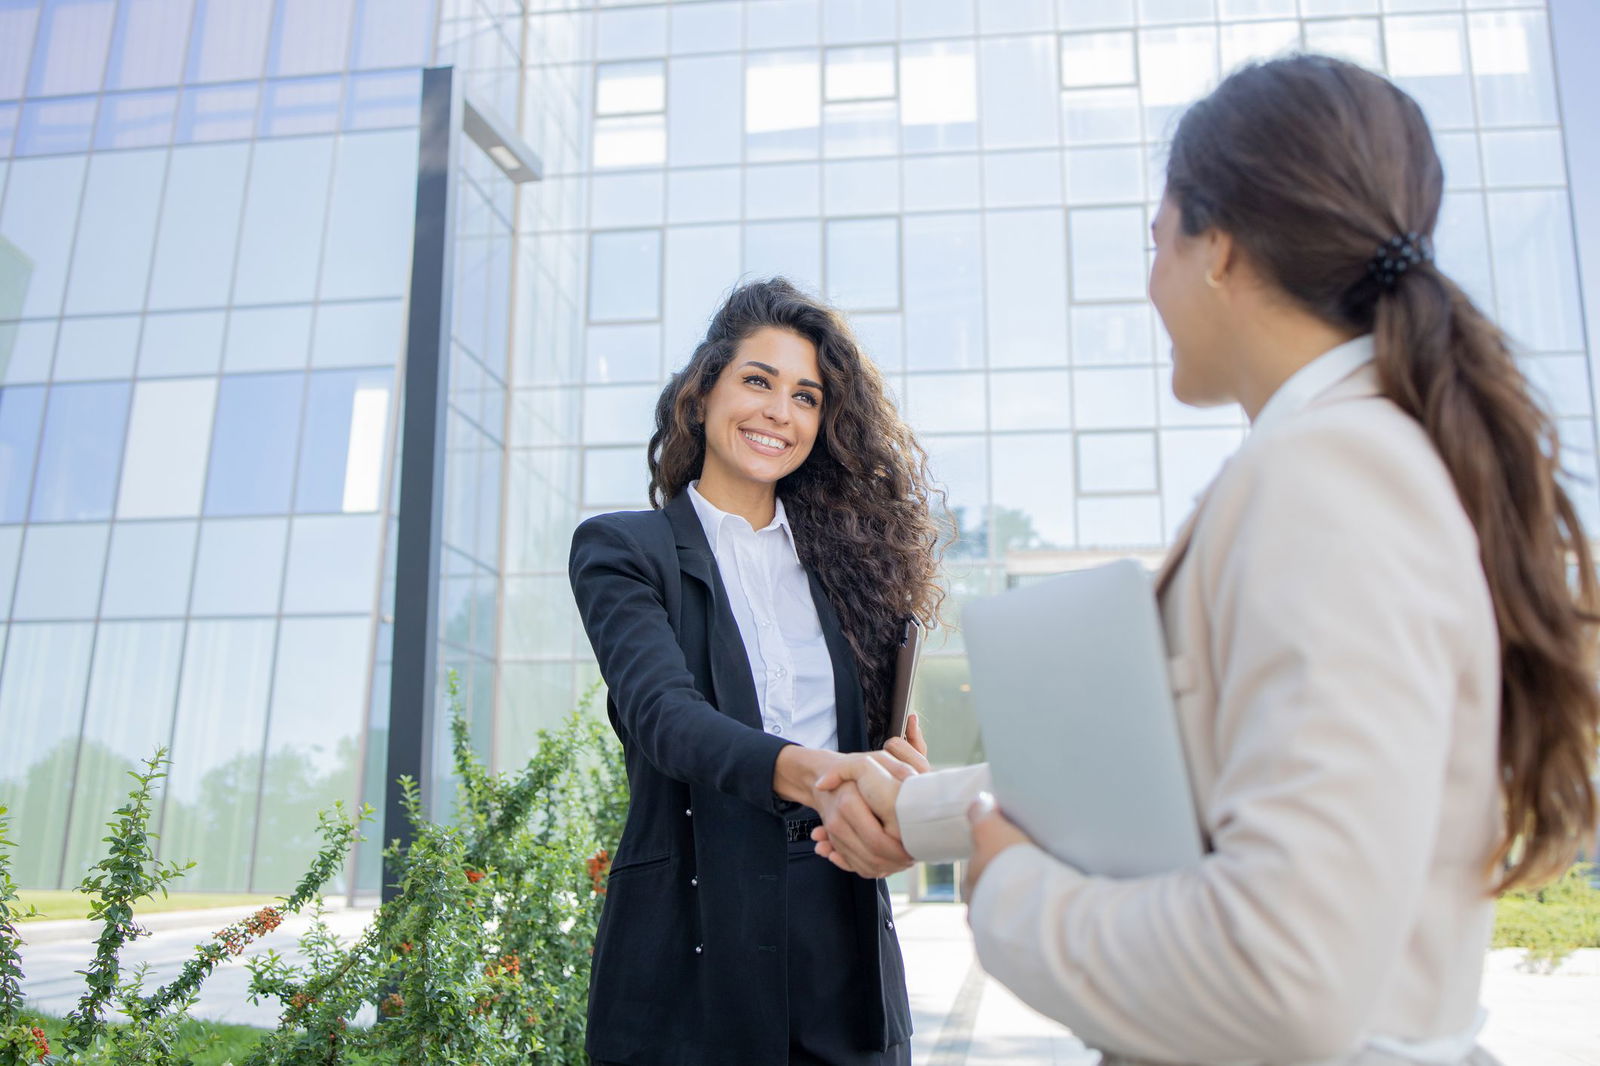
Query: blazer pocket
[(633, 866)]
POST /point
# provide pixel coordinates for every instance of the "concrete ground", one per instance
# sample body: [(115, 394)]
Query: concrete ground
[(962, 1018)]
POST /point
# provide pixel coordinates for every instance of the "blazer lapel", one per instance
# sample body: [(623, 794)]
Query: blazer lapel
[(733, 686), (852, 719)]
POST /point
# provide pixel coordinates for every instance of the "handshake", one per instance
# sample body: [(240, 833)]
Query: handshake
[(855, 796)]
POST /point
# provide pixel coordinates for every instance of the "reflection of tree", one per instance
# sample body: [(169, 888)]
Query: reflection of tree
[(1013, 531), (38, 802), (1010, 528)]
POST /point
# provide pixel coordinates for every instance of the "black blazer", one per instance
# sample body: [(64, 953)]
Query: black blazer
[(690, 958)]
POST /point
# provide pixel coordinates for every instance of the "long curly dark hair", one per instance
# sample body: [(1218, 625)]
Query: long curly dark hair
[(860, 503)]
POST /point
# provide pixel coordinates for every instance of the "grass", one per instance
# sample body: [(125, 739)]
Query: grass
[(1554, 921), (209, 1043), (69, 904)]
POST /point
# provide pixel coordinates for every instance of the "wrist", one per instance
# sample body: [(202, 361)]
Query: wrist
[(796, 769)]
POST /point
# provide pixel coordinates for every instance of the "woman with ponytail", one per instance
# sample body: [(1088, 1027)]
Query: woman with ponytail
[(1381, 620)]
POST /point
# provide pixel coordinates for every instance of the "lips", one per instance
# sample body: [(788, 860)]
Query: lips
[(764, 443)]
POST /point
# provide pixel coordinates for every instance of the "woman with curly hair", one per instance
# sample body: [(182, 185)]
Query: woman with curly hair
[(747, 630)]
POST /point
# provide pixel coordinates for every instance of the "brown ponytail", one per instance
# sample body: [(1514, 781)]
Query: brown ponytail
[(1311, 164)]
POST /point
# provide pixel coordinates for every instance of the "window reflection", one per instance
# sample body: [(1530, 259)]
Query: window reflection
[(333, 564), (1116, 462), (939, 94), (41, 205), (300, 105), (116, 229), (1026, 283), (1113, 399), (1535, 269), (253, 446), (859, 74), (714, 27), (21, 412), (368, 235), (59, 577), (1357, 40), (229, 39), (185, 343), (1511, 67), (1107, 253), (942, 403), (78, 454), (624, 275), (17, 22), (281, 236), (959, 464), (1030, 399), (1428, 59), (1019, 83), (147, 47), (789, 249), (163, 468), (239, 566), (393, 33), (702, 263), (943, 292), (219, 113), (310, 36), (1090, 59), (70, 51), (199, 222), (135, 120), (781, 117), (1119, 521), (377, 101), (1032, 492), (148, 570), (705, 111), (342, 452), (864, 263)]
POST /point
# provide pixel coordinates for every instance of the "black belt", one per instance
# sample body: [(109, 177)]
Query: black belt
[(801, 829)]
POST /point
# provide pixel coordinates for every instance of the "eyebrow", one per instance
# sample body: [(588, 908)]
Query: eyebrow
[(807, 382)]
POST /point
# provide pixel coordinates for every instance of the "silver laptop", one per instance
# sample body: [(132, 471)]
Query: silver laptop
[(1069, 678)]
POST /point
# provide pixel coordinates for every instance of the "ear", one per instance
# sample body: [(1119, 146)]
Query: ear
[(1222, 256)]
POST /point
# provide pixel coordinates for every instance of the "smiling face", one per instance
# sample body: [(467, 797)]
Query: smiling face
[(762, 415)]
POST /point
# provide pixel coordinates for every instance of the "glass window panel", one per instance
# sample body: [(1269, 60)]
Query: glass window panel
[(78, 457), (212, 786), (946, 403), (782, 106), (960, 466), (614, 477), (1512, 68), (183, 343), (702, 266), (342, 453), (377, 101), (792, 190), (1428, 59), (1022, 179), (9, 114), (943, 292), (1122, 398), (1104, 175), (253, 447), (69, 54), (163, 471), (630, 88), (147, 575), (239, 567), (858, 20), (545, 416), (219, 113), (1176, 67), (1561, 382), (939, 183), (629, 33), (116, 230), (706, 28), (55, 127), (229, 39), (1461, 240), (1119, 521), (860, 187), (41, 710), (128, 715), (541, 509), (939, 94), (60, 572), (1112, 333), (26, 350), (936, 18), (333, 564), (18, 20), (791, 250), (300, 105), (863, 128), (1458, 154), (619, 414), (1357, 40), (1030, 399), (623, 353), (268, 338), (703, 195), (21, 411), (1072, 14), (1100, 116), (1176, 10), (1032, 492), (1016, 16), (541, 618), (635, 141), (1018, 93), (782, 24), (628, 199), (283, 221), (1090, 59), (624, 275), (147, 47), (10, 553), (864, 263), (1535, 270), (1524, 157), (369, 230), (1245, 41), (1116, 462), (534, 697), (41, 207), (1190, 458), (199, 228), (1026, 275), (360, 334), (390, 34), (136, 120), (92, 348), (310, 37), (705, 111), (879, 339), (860, 73), (1107, 253)]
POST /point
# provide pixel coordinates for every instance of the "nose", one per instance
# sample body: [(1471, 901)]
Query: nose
[(778, 408)]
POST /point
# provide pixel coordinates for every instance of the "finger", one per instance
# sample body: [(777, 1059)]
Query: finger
[(869, 832), (894, 763), (908, 755), (914, 734)]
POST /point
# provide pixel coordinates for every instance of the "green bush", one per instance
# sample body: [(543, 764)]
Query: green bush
[(1553, 921)]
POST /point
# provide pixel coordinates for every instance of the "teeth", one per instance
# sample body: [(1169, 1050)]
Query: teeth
[(759, 438)]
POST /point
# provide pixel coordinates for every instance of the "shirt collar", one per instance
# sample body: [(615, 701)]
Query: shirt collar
[(712, 517), (1314, 379)]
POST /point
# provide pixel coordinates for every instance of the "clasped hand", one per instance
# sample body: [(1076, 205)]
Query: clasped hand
[(856, 798)]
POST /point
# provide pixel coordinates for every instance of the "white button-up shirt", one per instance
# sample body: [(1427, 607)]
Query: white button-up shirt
[(771, 600)]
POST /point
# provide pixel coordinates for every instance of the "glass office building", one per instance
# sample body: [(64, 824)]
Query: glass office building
[(206, 237)]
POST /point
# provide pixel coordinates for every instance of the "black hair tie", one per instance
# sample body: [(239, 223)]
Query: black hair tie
[(1397, 256)]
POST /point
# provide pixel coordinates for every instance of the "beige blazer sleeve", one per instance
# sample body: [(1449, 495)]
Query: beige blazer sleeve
[(932, 812), (1335, 590)]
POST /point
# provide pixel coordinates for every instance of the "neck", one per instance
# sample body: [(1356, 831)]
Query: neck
[(753, 501), (1275, 349)]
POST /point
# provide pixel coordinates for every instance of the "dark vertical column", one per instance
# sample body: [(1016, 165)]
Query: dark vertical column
[(413, 674)]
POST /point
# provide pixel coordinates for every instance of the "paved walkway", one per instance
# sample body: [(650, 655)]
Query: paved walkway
[(962, 1018)]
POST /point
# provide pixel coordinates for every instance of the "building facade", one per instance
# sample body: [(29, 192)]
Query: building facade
[(206, 236)]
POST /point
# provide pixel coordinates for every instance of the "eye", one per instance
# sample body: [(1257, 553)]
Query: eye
[(807, 398), (756, 379)]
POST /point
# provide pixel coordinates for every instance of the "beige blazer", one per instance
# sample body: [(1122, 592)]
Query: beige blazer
[(1335, 667)]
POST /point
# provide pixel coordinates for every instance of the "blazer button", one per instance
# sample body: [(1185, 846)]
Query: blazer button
[(694, 882), (698, 950), (888, 923), (689, 812)]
